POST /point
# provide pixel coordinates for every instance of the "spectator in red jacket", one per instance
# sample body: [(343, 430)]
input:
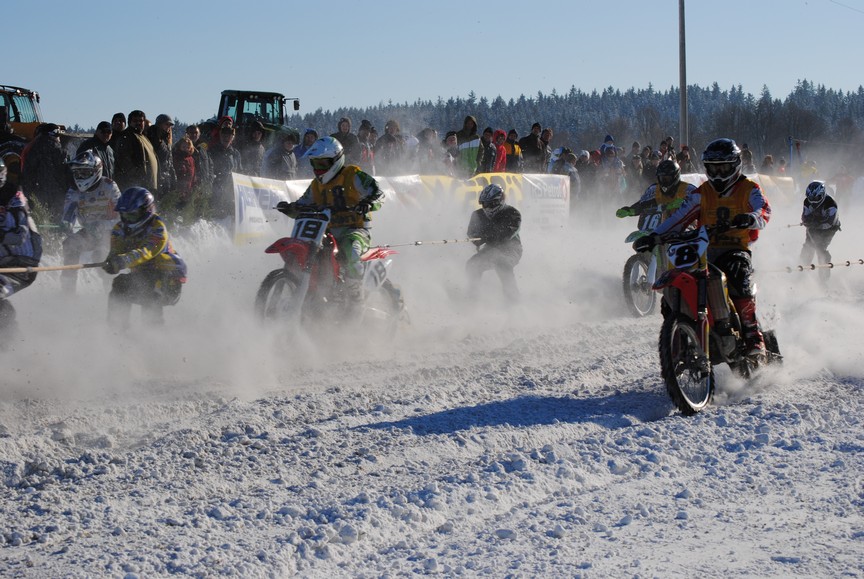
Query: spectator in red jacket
[(499, 137)]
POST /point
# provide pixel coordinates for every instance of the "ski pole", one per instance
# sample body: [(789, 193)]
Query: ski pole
[(434, 242), (795, 225), (50, 267)]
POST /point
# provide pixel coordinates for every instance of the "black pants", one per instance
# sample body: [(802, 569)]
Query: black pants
[(816, 243), (502, 261), (150, 289)]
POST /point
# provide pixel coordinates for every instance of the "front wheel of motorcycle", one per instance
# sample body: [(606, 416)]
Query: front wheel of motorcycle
[(638, 295), (277, 295), (686, 370)]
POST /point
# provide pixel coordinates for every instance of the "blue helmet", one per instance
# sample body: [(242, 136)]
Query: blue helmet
[(136, 207), (816, 193)]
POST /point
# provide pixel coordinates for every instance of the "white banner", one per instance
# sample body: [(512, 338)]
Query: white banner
[(544, 200)]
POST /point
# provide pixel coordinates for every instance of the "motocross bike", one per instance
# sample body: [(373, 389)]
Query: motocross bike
[(309, 287), (640, 270), (700, 325)]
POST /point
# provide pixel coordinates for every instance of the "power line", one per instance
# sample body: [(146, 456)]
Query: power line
[(846, 6)]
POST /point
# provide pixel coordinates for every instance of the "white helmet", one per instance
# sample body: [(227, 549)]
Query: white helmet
[(327, 158), (86, 169)]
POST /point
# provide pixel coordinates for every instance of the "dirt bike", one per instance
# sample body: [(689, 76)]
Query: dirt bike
[(310, 287), (640, 270), (700, 325)]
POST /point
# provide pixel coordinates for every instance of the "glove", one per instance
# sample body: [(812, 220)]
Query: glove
[(285, 207), (65, 228), (364, 205), (625, 212), (743, 221), (645, 243), (113, 265)]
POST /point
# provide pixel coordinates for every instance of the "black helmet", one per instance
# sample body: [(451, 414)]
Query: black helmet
[(668, 176), (491, 199), (722, 160)]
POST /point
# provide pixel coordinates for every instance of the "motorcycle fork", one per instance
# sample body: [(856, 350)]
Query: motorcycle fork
[(702, 311)]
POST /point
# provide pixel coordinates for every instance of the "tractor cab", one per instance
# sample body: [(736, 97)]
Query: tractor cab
[(246, 107)]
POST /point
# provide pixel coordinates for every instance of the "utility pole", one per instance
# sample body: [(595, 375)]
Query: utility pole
[(684, 134)]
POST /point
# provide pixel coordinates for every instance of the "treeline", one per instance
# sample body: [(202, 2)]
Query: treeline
[(823, 121)]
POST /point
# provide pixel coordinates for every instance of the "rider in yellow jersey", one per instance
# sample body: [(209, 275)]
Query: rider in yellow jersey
[(350, 194), (726, 197)]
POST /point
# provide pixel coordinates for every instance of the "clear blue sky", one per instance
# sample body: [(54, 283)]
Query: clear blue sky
[(91, 59)]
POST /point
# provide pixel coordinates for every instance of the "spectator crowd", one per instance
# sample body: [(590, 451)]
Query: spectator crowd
[(190, 175)]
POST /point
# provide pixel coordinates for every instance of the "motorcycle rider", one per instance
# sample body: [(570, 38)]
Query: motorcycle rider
[(727, 197), (91, 204), (351, 194), (495, 227), (139, 242), (667, 193), (820, 219), (20, 246)]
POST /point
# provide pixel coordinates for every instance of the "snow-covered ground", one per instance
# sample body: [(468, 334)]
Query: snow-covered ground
[(495, 440)]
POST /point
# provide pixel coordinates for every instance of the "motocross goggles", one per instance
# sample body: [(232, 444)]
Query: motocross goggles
[(321, 164), (83, 173), (720, 170), (667, 181), (134, 216), (492, 203)]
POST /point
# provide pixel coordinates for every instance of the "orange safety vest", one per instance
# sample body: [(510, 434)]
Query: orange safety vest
[(714, 208)]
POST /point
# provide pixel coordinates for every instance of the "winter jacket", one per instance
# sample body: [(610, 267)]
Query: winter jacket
[(279, 164), (44, 175), (184, 169), (823, 216), (533, 153), (468, 141), (513, 152), (351, 146), (166, 177), (135, 163), (501, 231), (389, 151), (486, 154), (225, 161)]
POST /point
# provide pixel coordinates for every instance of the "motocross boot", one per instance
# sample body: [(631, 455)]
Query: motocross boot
[(753, 338), (352, 298)]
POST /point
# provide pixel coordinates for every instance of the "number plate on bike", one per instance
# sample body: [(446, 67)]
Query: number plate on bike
[(689, 250), (310, 227)]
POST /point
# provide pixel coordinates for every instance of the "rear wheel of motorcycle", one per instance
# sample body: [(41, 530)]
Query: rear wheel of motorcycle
[(276, 295), (689, 377), (638, 295)]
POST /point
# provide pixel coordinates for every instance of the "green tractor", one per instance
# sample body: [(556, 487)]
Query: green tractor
[(246, 107)]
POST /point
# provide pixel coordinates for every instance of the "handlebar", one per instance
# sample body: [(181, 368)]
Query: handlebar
[(293, 207)]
